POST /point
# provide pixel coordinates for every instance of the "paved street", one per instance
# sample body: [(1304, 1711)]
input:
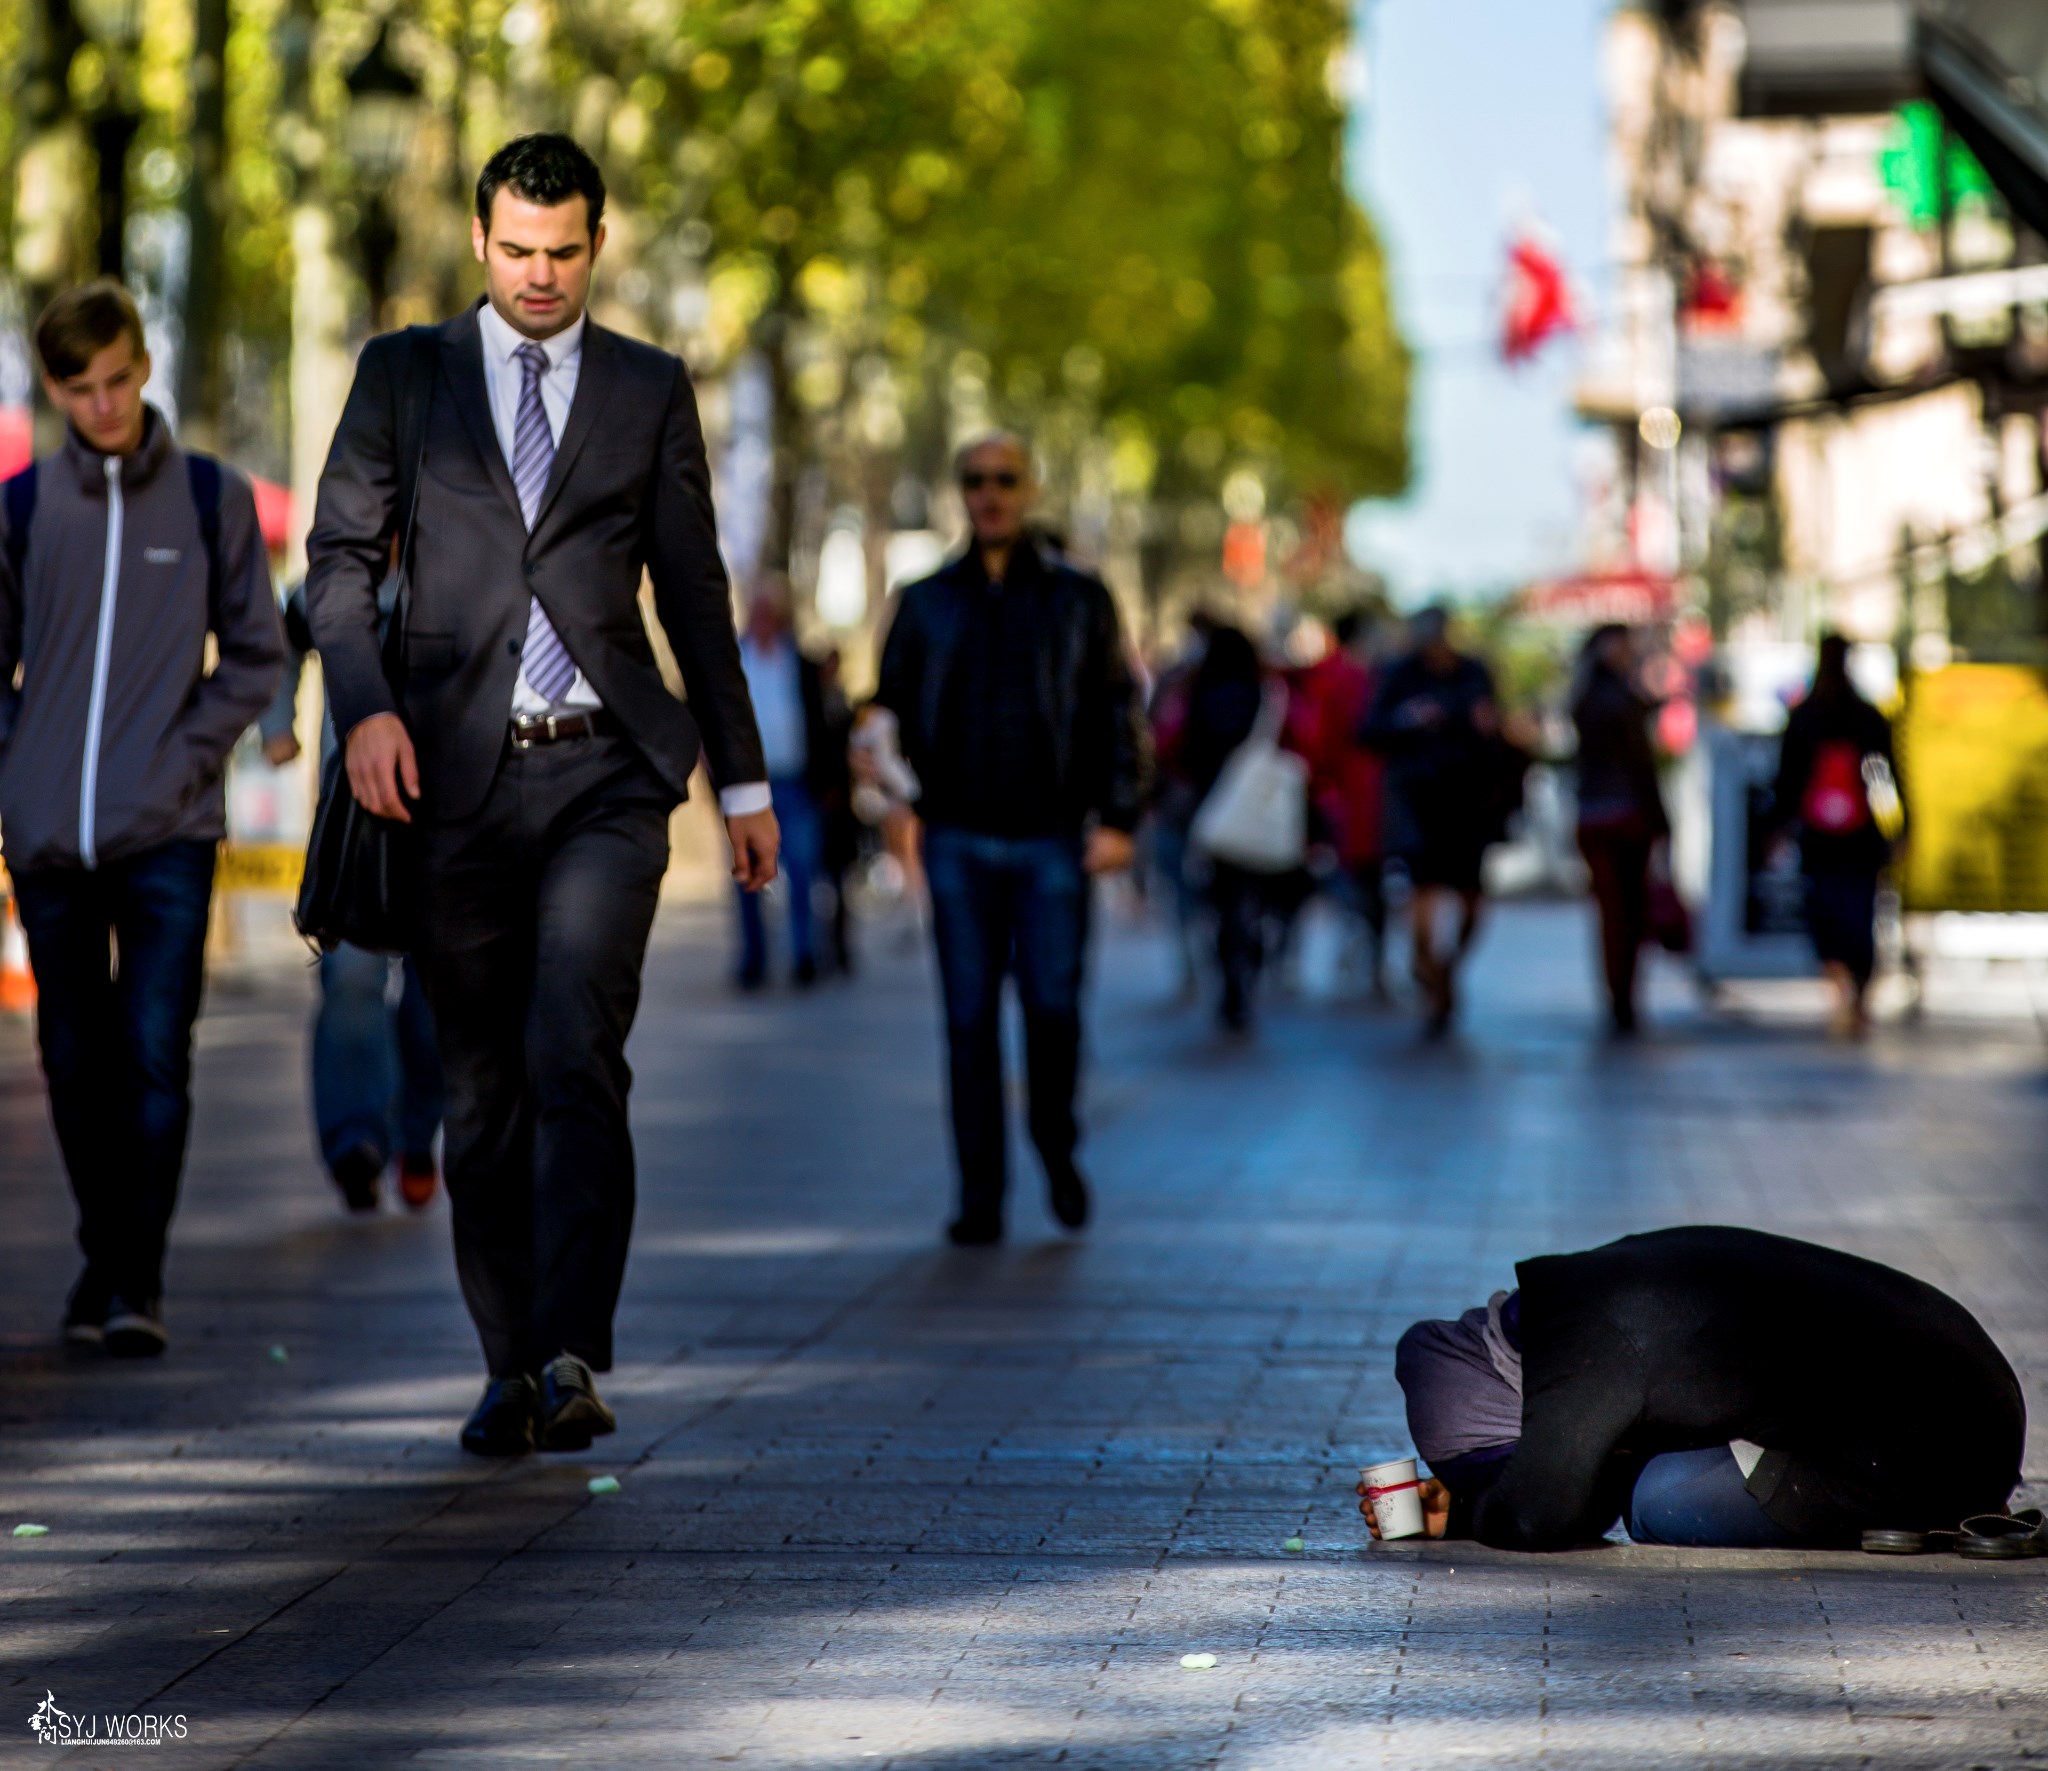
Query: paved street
[(884, 1504)]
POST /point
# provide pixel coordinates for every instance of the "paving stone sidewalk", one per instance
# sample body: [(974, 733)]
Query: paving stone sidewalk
[(885, 1504)]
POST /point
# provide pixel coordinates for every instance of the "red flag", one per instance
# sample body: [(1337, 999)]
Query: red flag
[(1539, 300)]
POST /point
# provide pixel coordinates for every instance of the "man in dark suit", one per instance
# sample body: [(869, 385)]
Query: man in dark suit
[(536, 746)]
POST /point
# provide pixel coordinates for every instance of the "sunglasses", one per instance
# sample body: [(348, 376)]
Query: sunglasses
[(1005, 478)]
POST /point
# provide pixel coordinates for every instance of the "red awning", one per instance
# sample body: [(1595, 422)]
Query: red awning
[(17, 440), (1637, 598)]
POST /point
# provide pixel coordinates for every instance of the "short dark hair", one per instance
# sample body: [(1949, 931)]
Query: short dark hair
[(544, 169), (81, 322)]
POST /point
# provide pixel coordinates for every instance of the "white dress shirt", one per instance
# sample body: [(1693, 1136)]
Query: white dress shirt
[(503, 378)]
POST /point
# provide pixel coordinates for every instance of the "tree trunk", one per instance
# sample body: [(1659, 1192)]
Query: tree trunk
[(199, 386), (113, 129), (320, 365), (50, 190)]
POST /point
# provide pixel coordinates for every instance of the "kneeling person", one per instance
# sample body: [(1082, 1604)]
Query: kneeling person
[(1716, 1388)]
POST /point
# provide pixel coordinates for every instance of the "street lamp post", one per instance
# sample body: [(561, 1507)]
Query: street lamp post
[(383, 121)]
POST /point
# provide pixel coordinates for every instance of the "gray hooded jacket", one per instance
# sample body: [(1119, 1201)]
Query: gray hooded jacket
[(118, 735)]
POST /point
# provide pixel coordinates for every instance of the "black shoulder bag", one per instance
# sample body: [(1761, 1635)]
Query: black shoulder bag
[(361, 884)]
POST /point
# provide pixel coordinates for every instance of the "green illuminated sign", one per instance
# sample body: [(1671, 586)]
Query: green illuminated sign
[(1913, 164)]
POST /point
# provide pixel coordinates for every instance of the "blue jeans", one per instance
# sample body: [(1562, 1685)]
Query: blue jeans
[(376, 1074), (117, 1044), (1004, 905), (1697, 1500), (803, 850)]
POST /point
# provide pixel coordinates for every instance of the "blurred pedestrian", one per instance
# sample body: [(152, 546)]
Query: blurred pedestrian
[(1837, 789), (124, 555), (1326, 707), (377, 1090), (1020, 718), (789, 705), (832, 774), (1224, 700), (534, 745), (1175, 797), (1436, 721), (1621, 808), (883, 798)]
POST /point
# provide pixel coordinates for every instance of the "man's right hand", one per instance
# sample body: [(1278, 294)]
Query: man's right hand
[(383, 772)]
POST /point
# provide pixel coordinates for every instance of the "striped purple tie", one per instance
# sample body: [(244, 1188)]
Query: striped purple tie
[(547, 666)]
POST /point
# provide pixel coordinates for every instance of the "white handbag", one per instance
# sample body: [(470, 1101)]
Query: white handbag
[(1256, 816)]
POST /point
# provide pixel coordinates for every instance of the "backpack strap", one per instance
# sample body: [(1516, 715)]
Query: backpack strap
[(203, 473), (20, 495)]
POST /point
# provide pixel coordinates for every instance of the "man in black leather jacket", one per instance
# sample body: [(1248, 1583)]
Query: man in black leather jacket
[(1007, 673)]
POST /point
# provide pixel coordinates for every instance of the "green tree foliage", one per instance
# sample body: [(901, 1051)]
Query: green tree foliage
[(1120, 221), (1130, 211)]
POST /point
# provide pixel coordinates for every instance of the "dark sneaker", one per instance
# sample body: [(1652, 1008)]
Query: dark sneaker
[(1068, 1193), (357, 1172), (417, 1179), (85, 1315), (571, 1411), (134, 1329)]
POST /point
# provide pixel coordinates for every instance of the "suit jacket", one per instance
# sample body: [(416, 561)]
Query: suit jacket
[(630, 490)]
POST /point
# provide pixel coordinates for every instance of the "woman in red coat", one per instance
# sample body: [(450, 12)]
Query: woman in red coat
[(1327, 705)]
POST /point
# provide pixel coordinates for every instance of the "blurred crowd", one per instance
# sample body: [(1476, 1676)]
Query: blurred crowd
[(1015, 752)]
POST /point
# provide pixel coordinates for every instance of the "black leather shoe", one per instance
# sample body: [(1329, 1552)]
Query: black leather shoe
[(502, 1423), (1069, 1194), (571, 1411)]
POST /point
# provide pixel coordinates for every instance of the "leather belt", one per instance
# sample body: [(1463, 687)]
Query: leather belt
[(530, 729)]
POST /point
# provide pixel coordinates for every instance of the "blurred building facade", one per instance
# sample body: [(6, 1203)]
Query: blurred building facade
[(1823, 372)]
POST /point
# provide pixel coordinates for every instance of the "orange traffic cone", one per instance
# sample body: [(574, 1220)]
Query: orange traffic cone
[(17, 982)]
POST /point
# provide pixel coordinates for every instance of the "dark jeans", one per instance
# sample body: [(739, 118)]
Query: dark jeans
[(1003, 905), (116, 1038), (803, 844), (537, 911), (1698, 1500), (1841, 910), (1240, 899), (1618, 861), (376, 1074)]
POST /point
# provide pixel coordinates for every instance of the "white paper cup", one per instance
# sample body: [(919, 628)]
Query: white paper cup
[(1396, 1497)]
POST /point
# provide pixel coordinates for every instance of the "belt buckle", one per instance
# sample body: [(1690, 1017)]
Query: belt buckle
[(522, 736)]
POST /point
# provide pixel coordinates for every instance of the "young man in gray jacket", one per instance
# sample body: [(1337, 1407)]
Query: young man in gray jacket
[(121, 555)]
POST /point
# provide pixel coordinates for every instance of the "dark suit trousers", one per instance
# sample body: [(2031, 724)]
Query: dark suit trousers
[(537, 910)]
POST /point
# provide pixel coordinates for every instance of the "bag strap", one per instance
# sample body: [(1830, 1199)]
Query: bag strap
[(20, 492), (202, 473), (422, 363), (1272, 720)]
